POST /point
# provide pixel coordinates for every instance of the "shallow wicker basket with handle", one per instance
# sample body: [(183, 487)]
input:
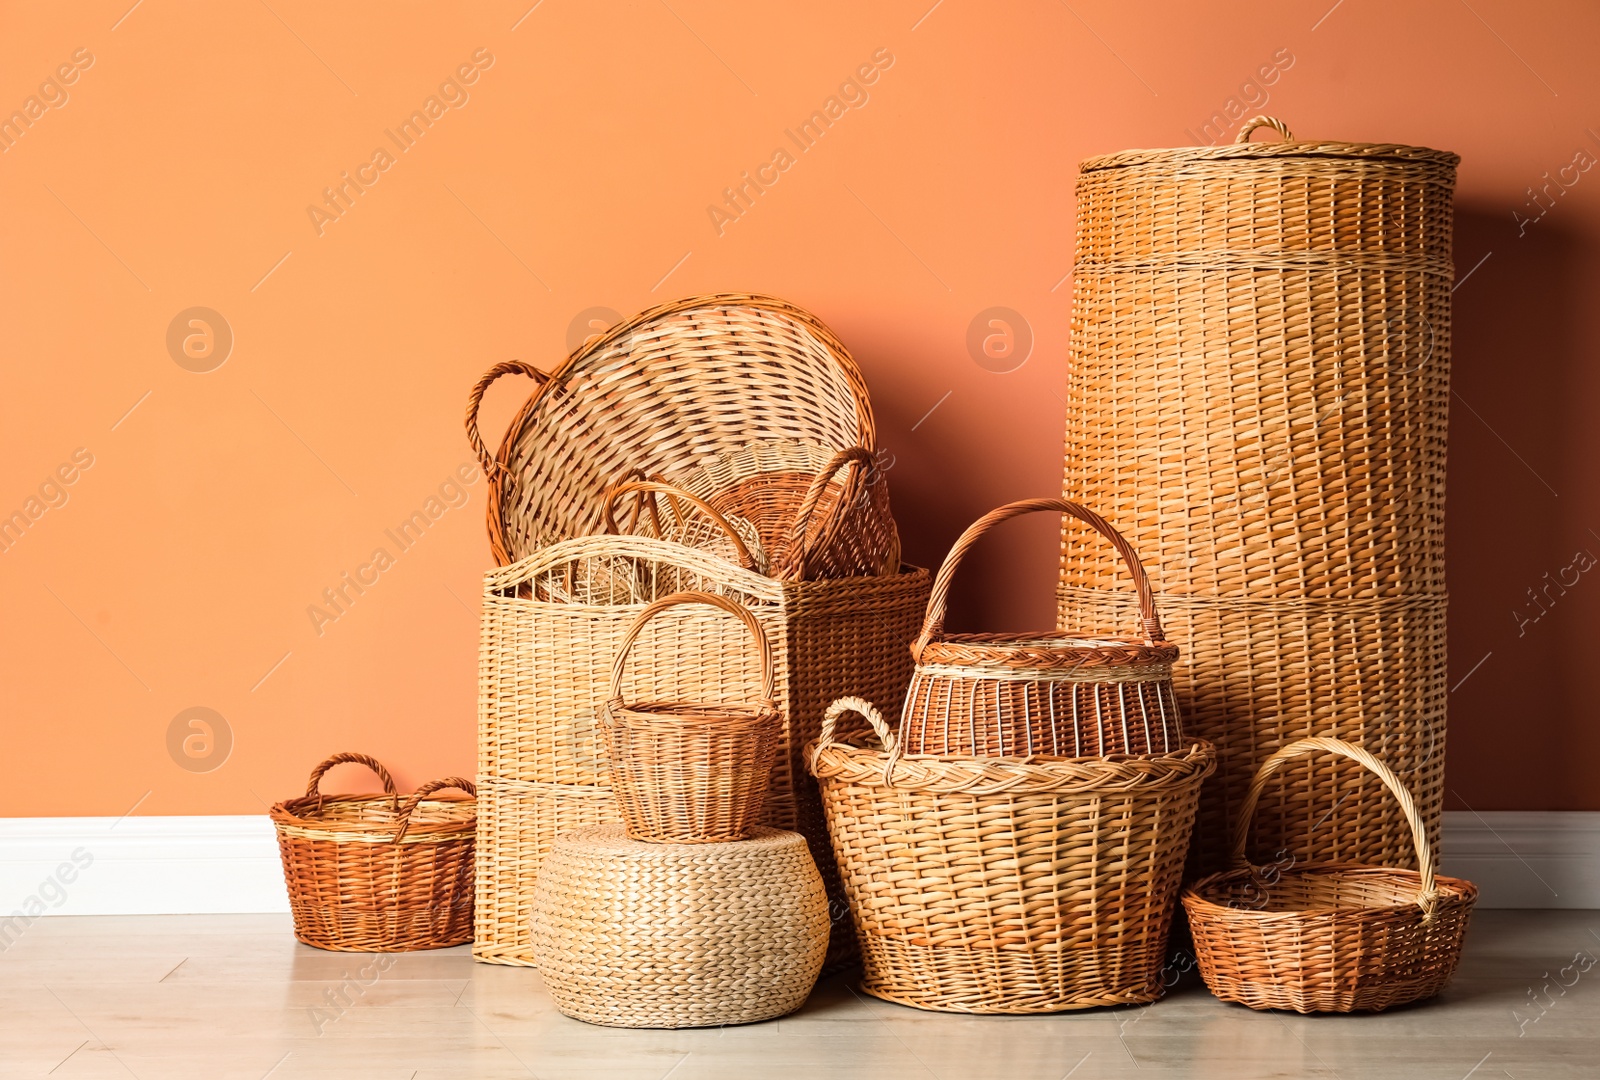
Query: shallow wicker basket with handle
[(1328, 937)]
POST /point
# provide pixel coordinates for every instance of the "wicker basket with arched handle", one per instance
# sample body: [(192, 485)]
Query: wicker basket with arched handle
[(691, 773), (1006, 884), (1041, 693), (1328, 937), (379, 873)]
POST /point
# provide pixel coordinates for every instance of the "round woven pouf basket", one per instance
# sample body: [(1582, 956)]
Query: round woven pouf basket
[(635, 934)]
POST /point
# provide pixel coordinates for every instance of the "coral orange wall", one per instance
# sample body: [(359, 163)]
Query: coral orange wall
[(169, 153)]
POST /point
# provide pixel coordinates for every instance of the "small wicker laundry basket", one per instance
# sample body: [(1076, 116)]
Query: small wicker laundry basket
[(1043, 693), (378, 873), (679, 935), (1328, 937), (691, 773), (1007, 885)]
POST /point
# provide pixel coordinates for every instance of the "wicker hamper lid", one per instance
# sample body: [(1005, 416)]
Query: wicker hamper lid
[(1242, 149)]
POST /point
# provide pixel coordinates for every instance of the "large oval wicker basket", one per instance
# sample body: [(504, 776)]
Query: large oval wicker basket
[(1045, 693), (746, 401), (1328, 937), (1007, 885), (1257, 394), (379, 873)]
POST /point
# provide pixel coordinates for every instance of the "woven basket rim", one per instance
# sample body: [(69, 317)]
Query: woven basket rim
[(849, 762), (290, 813), (1198, 898), (1394, 152), (1044, 649), (613, 839)]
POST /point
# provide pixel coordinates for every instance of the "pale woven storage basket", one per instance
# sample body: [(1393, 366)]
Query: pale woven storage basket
[(1257, 395), (634, 934), (1328, 937), (742, 399), (552, 624), (1007, 885)]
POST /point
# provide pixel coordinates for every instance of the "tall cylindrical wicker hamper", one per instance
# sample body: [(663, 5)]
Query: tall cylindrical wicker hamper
[(1257, 396)]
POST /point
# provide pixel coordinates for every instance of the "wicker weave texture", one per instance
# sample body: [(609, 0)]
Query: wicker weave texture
[(632, 934), (1005, 885), (689, 773), (518, 822), (378, 873), (695, 386), (545, 667), (1257, 395), (1329, 937), (1022, 694)]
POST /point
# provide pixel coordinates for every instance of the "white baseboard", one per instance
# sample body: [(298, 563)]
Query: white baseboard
[(1526, 858), (140, 866), (228, 865)]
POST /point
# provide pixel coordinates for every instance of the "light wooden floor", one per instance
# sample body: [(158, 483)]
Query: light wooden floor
[(218, 997)]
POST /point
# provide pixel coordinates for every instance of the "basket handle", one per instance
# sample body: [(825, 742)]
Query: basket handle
[(860, 462), (628, 486), (1272, 122), (933, 623), (423, 792), (737, 610), (359, 759), (1428, 894), (474, 399), (880, 727)]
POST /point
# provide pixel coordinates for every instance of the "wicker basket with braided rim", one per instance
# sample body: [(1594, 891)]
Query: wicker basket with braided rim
[(378, 873), (1257, 394), (1043, 693), (1007, 885), (746, 401), (1328, 937), (691, 773)]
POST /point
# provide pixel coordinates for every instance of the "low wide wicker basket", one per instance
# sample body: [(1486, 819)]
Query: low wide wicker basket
[(691, 773), (1043, 693), (1328, 937), (679, 935), (1007, 885), (378, 873)]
